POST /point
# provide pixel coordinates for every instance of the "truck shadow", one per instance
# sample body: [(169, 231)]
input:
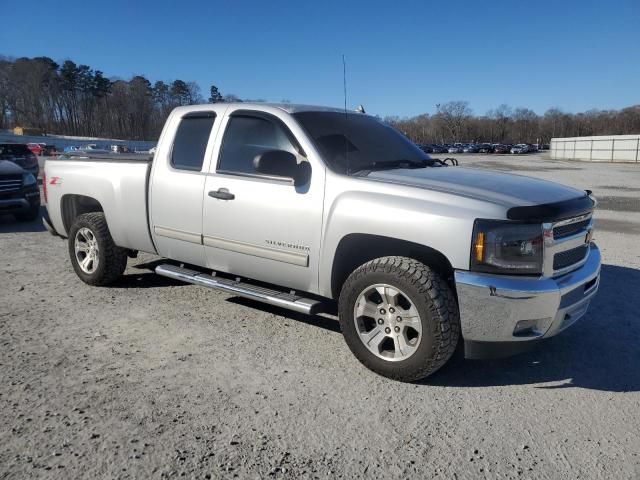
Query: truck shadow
[(145, 280), (146, 277), (600, 352), (8, 224), (319, 321)]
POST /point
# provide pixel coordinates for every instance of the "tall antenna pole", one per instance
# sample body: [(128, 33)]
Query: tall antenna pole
[(344, 83), (344, 86)]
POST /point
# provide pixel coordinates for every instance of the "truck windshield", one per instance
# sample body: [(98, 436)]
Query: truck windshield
[(353, 142)]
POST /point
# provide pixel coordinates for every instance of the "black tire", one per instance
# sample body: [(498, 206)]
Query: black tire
[(28, 215), (112, 260), (431, 296)]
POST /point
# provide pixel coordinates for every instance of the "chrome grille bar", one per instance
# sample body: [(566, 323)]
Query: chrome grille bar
[(566, 244), (10, 185)]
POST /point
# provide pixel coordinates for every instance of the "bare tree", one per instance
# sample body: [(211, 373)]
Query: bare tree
[(501, 117), (453, 116)]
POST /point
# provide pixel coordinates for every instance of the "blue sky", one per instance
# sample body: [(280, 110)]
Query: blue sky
[(403, 57)]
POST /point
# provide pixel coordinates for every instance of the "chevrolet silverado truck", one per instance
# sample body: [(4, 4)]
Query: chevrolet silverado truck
[(302, 207)]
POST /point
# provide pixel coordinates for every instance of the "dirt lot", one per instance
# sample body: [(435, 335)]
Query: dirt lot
[(152, 378)]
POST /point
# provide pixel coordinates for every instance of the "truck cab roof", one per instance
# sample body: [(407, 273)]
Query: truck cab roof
[(285, 107)]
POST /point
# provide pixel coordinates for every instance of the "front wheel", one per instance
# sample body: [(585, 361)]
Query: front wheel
[(94, 256), (399, 318)]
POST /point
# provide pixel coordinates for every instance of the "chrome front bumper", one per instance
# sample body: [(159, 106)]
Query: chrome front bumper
[(497, 308)]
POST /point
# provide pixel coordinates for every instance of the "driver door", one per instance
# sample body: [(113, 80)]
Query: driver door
[(255, 225)]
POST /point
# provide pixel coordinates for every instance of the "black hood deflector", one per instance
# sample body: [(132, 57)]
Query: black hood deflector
[(552, 212)]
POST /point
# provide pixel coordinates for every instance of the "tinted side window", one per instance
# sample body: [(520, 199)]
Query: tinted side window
[(191, 142), (246, 137)]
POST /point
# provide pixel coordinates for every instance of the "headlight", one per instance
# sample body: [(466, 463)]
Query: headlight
[(507, 247), (28, 180)]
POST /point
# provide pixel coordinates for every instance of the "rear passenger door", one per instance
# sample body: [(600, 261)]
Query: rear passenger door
[(177, 185), (266, 228)]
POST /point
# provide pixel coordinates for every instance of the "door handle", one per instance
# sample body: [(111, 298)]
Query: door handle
[(222, 194)]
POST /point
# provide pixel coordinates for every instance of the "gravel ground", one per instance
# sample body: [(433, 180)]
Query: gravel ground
[(153, 378)]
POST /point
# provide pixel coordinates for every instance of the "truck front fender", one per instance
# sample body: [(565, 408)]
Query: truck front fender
[(392, 224)]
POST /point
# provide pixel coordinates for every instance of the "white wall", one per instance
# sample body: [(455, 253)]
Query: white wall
[(613, 148)]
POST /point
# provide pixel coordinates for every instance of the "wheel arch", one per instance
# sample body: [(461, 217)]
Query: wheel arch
[(358, 248), (73, 205)]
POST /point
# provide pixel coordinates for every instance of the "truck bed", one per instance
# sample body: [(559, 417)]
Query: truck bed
[(119, 183)]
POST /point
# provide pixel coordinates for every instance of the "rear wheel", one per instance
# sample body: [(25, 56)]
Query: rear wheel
[(94, 256), (399, 318)]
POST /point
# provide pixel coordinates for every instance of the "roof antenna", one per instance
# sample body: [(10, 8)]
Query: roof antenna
[(344, 83), (344, 86)]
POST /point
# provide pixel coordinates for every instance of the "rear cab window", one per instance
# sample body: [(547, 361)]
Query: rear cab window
[(190, 142)]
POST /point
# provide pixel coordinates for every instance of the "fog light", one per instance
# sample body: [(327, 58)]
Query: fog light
[(528, 328)]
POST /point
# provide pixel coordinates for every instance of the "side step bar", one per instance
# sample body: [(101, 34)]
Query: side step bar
[(241, 289)]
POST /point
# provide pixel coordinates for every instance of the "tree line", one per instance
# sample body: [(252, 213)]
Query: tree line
[(71, 99), (455, 122)]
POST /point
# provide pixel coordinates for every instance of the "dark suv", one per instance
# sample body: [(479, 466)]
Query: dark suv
[(19, 192), (20, 154)]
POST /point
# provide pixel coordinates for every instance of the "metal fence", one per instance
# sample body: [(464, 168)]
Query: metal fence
[(614, 148)]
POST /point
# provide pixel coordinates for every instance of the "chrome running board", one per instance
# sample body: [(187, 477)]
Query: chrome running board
[(241, 289)]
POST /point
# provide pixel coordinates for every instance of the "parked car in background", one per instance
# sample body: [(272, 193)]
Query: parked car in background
[(49, 150), (454, 149), (500, 148), (36, 148), (472, 148), (21, 155), (426, 148), (119, 148), (94, 148), (70, 148), (439, 149), (485, 148), (520, 148), (19, 192)]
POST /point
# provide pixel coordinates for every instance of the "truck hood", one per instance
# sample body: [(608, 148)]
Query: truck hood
[(10, 168), (505, 189)]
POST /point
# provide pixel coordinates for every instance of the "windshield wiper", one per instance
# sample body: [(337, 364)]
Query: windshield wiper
[(391, 164)]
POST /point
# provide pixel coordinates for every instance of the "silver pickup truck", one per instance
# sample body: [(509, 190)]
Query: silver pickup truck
[(302, 207)]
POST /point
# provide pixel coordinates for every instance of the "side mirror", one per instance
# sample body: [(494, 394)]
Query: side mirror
[(281, 163)]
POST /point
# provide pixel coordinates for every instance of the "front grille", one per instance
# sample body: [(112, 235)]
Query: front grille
[(569, 257), (564, 231), (10, 183)]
